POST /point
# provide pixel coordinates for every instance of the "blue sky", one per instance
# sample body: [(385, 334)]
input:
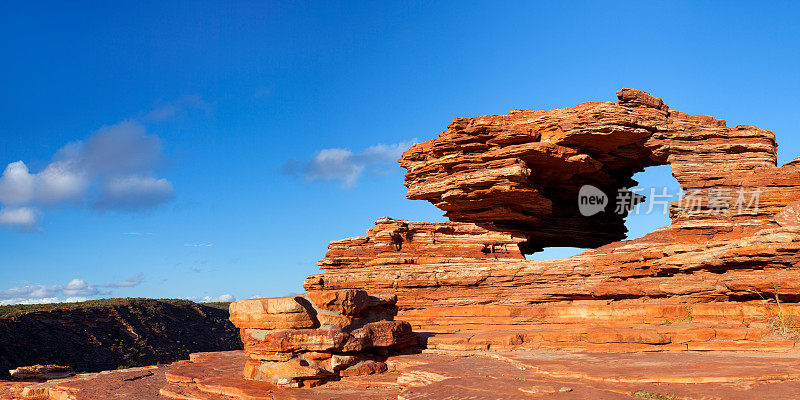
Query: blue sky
[(193, 126)]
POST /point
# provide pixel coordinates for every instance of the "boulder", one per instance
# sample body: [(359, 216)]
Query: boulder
[(41, 372), (272, 313), (339, 329)]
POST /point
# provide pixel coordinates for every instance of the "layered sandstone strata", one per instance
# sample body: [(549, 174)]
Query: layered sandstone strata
[(522, 172), (394, 241), (304, 340), (734, 238), (681, 263)]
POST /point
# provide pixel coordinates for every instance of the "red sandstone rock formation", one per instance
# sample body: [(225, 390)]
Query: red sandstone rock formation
[(303, 340), (519, 175), (521, 172), (394, 241)]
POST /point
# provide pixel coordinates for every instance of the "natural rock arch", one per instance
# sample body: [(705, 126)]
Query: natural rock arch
[(504, 179), (521, 172)]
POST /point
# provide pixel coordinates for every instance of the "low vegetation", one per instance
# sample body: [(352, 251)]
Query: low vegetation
[(656, 396), (777, 318), (18, 309)]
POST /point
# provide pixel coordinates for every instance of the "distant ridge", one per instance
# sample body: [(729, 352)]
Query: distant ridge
[(108, 334)]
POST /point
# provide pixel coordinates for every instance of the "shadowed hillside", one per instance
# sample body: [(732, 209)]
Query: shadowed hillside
[(113, 333)]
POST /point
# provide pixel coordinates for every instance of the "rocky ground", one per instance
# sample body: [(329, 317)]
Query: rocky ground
[(460, 375)]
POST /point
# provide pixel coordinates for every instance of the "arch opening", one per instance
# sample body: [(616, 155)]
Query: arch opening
[(658, 188)]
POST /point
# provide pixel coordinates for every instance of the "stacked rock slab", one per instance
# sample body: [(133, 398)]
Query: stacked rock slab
[(735, 244), (304, 340)]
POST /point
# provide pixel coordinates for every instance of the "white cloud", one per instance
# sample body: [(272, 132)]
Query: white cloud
[(384, 152), (49, 300), (130, 282), (225, 298), (124, 148), (114, 168), (77, 287), (16, 184), (44, 300), (19, 218), (27, 292), (346, 166), (337, 164), (75, 299), (75, 290), (60, 182), (199, 244), (134, 192)]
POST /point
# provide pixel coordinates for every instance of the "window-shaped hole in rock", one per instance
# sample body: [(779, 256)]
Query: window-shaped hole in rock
[(659, 188), (550, 253)]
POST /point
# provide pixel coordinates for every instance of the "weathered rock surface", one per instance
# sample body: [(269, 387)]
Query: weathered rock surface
[(676, 264), (399, 242), (468, 375), (272, 313), (521, 172), (218, 376), (304, 340), (40, 372), (141, 383), (519, 175), (558, 375)]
